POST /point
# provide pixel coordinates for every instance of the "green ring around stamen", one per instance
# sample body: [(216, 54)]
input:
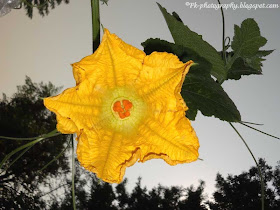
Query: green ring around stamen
[(111, 118)]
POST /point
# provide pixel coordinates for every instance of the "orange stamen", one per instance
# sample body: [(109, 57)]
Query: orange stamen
[(127, 104), (122, 108), (118, 107)]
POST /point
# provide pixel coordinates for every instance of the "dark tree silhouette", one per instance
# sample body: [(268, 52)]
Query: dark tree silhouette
[(92, 193), (101, 196), (165, 198), (122, 195), (43, 6), (24, 115), (276, 183), (243, 192), (195, 199), (139, 198)]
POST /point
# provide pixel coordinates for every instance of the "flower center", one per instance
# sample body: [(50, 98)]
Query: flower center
[(122, 107)]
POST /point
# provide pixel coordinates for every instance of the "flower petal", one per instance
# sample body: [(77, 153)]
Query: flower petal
[(168, 136), (161, 79), (80, 104), (66, 125), (106, 153), (114, 63)]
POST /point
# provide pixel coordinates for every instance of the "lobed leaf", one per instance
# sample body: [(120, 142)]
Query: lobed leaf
[(247, 39), (246, 58)]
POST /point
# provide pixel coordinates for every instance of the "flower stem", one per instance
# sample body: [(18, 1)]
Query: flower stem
[(95, 24)]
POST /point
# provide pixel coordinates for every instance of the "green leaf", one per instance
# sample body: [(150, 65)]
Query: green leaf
[(240, 68), (199, 90), (255, 61), (177, 17), (247, 66), (247, 39), (182, 35), (208, 96), (246, 58), (151, 45), (263, 53)]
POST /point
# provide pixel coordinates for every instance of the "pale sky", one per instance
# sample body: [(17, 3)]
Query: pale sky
[(44, 48)]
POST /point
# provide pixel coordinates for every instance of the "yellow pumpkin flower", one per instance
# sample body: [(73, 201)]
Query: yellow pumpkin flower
[(126, 106)]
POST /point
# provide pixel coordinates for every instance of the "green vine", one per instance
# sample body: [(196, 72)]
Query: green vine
[(259, 169), (95, 14)]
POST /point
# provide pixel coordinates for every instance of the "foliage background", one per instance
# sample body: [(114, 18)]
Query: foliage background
[(43, 48)]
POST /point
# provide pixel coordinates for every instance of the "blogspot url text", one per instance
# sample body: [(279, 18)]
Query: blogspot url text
[(232, 5)]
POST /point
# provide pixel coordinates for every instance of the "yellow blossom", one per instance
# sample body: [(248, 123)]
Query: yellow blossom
[(126, 106)]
